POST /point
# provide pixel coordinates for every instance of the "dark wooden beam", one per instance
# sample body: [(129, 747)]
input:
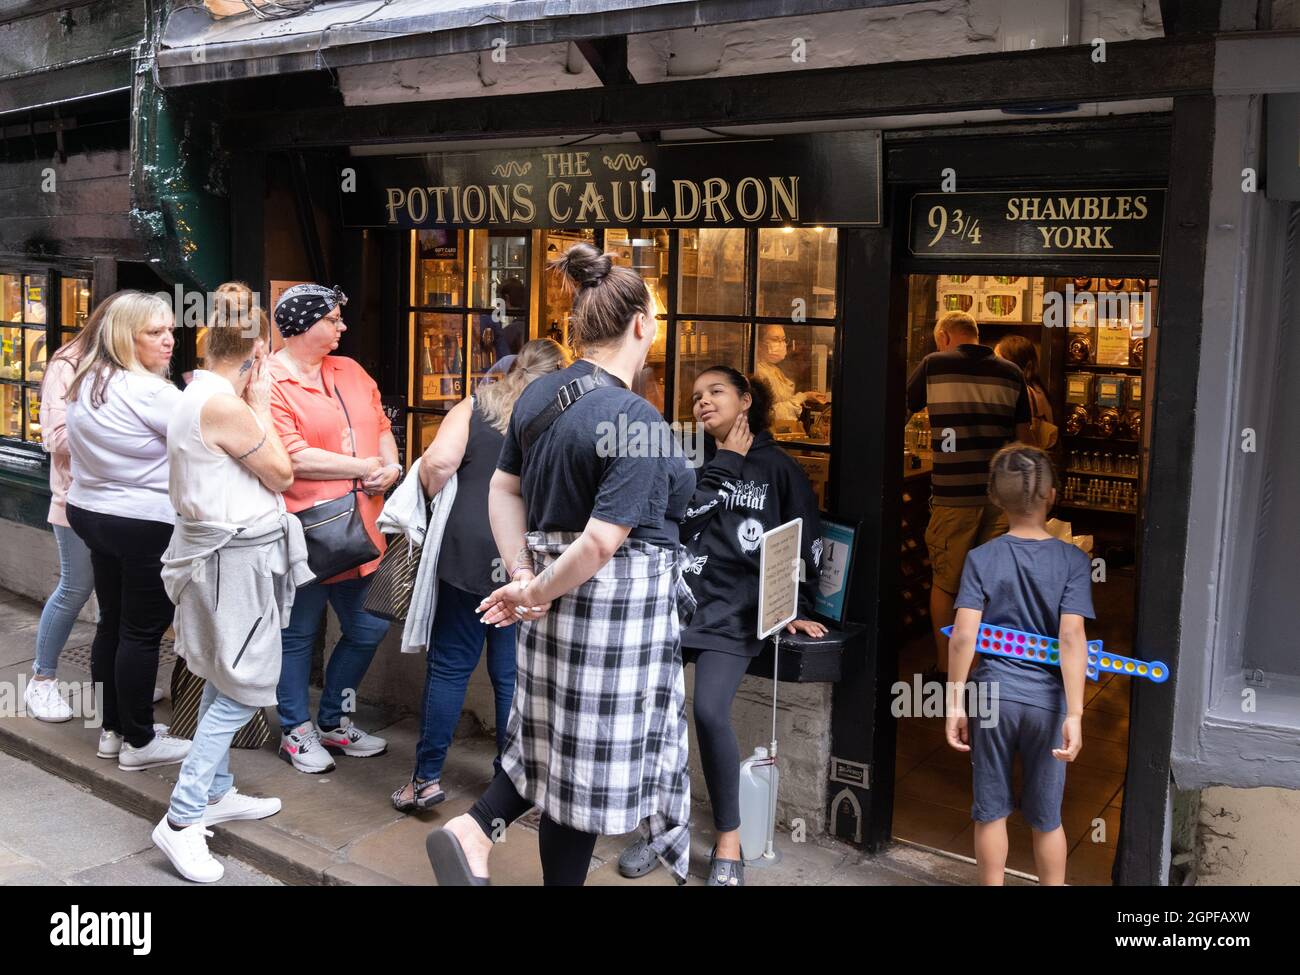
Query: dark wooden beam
[(1133, 69), (608, 58), (1142, 848)]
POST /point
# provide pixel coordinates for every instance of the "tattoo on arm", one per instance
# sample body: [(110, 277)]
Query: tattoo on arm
[(249, 453), (247, 365), (544, 580)]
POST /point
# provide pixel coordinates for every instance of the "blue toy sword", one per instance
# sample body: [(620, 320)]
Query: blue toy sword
[(1001, 641)]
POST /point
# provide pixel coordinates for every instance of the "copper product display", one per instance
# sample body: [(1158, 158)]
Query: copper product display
[(1114, 284), (1083, 284), (1136, 350), (1079, 347), (1133, 424), (1108, 421), (1077, 420)]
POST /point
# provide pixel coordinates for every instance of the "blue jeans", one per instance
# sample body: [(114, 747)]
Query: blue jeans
[(205, 774), (347, 664), (76, 583), (453, 654)]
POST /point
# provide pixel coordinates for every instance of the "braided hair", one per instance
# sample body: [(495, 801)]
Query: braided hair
[(1020, 478)]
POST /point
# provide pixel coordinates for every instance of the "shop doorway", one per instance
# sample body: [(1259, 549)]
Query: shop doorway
[(1093, 349)]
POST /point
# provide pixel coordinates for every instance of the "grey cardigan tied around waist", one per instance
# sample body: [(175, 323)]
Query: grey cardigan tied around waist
[(234, 589)]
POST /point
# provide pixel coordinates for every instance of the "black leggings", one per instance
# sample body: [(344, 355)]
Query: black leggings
[(566, 852), (717, 678), (134, 613)]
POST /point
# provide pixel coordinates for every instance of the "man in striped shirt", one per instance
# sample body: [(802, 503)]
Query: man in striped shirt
[(978, 404)]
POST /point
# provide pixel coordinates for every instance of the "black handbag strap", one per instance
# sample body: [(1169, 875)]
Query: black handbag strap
[(352, 437), (567, 395)]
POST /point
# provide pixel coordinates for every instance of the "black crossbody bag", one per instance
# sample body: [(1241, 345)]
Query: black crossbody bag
[(567, 395), (336, 535)]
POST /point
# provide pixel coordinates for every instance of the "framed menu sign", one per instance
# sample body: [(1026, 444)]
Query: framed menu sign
[(1043, 224), (778, 576)]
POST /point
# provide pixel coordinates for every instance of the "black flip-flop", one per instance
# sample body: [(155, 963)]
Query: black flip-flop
[(447, 857)]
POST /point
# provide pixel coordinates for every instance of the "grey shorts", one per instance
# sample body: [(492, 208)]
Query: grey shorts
[(1033, 733)]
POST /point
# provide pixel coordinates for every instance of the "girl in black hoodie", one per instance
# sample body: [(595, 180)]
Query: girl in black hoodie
[(747, 486)]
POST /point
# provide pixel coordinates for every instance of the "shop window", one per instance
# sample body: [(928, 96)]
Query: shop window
[(796, 272), (74, 306), (24, 349), (439, 269), (440, 350), (556, 301), (796, 362), (646, 252), (704, 344), (711, 277)]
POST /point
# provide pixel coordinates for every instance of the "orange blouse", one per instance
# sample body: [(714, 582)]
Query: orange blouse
[(306, 417)]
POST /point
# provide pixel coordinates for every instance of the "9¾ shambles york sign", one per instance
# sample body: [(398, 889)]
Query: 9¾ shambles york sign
[(824, 179), (1038, 223)]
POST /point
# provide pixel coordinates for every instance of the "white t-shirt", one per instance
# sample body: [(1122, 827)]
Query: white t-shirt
[(119, 450)]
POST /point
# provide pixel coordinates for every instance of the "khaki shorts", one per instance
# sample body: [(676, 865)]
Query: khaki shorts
[(953, 532)]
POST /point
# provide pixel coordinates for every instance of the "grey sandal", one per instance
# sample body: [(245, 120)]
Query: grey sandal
[(447, 857), (725, 873), (418, 800), (637, 860)]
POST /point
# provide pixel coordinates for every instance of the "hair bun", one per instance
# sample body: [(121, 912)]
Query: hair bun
[(584, 265)]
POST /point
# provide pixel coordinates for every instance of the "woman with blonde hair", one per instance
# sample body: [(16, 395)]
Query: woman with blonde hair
[(119, 403), (76, 577), (468, 445)]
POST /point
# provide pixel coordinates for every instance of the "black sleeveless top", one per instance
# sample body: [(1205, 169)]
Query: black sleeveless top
[(468, 553)]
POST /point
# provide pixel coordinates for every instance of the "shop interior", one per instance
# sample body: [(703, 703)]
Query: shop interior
[(760, 300), (1093, 368)]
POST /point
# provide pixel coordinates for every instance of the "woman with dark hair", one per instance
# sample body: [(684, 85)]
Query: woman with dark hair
[(1022, 352), (586, 519), (748, 485)]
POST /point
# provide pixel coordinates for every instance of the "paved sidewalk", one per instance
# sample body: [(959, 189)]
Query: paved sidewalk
[(341, 828)]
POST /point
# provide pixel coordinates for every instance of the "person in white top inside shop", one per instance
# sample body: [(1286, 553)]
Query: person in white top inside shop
[(119, 403)]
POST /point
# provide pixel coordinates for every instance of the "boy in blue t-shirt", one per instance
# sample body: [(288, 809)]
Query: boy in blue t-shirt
[(1026, 580)]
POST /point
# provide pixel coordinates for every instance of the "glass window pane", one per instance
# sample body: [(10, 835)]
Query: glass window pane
[(557, 302), (711, 272), (818, 468), (34, 353), (500, 270), (646, 252), (440, 360), (11, 298), (11, 353), (797, 362), (495, 343), (796, 272), (439, 268), (11, 411), (649, 382), (34, 299), (423, 428), (704, 344), (33, 432), (74, 302)]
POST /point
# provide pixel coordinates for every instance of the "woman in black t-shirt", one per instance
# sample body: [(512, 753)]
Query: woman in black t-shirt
[(584, 508)]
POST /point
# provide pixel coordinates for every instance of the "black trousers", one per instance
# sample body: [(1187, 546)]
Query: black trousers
[(717, 678), (566, 852), (134, 612)]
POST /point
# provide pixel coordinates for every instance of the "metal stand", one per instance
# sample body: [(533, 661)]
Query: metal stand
[(769, 853)]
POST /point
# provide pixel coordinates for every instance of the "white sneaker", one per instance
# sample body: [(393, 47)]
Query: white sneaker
[(187, 849), (348, 739), (45, 703), (163, 749), (110, 742), (234, 805), (302, 749)]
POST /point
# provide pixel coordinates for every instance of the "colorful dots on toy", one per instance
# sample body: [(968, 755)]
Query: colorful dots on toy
[(1004, 642)]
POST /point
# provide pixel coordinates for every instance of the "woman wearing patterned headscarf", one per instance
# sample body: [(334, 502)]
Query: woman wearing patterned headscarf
[(327, 411)]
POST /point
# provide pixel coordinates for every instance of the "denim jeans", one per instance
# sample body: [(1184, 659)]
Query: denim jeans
[(457, 643), (76, 583), (347, 664), (205, 774)]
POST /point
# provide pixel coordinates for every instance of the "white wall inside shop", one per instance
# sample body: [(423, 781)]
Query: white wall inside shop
[(29, 565), (396, 679), (1248, 836), (914, 31)]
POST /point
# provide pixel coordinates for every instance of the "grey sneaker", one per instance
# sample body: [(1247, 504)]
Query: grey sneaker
[(302, 749)]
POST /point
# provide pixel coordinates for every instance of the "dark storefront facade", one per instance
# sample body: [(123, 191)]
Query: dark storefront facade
[(826, 232)]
